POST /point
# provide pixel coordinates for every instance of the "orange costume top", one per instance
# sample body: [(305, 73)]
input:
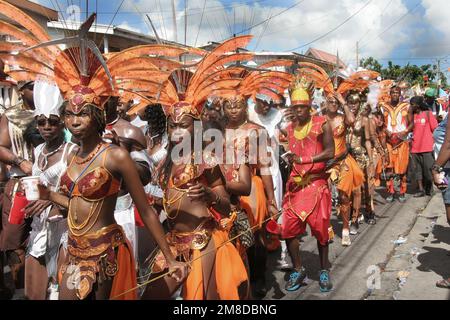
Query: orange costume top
[(396, 119), (344, 171), (192, 246), (256, 203), (105, 253)]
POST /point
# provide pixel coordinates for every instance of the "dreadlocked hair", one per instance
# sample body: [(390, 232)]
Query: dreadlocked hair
[(156, 119), (98, 115)]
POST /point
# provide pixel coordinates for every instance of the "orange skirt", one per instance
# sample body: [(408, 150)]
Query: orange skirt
[(125, 278), (230, 270), (256, 203), (399, 158), (348, 174)]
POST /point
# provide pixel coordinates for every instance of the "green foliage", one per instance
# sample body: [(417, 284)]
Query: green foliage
[(412, 73)]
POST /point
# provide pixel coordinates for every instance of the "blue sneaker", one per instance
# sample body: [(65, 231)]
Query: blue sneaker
[(296, 280), (324, 281)]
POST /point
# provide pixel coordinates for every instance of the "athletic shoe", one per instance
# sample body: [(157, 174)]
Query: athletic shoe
[(324, 281), (296, 280), (354, 228), (419, 194)]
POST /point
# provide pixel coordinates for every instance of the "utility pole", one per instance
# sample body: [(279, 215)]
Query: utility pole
[(174, 21), (439, 74), (335, 84), (87, 9)]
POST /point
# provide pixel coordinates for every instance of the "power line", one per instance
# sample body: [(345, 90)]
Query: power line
[(393, 24), (334, 29), (381, 15), (298, 25), (271, 17), (213, 8)]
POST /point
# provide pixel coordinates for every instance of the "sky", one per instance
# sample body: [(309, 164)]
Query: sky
[(404, 31)]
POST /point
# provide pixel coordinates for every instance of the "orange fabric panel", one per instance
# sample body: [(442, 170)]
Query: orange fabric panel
[(350, 176), (399, 158), (125, 278), (256, 204), (230, 270)]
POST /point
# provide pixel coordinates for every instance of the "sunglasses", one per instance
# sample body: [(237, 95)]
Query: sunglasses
[(51, 121)]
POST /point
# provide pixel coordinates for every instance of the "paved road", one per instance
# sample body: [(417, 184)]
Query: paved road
[(404, 270), (372, 257)]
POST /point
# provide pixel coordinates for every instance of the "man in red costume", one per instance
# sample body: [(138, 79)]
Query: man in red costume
[(308, 198)]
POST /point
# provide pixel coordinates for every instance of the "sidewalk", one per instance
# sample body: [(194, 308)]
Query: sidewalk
[(420, 259)]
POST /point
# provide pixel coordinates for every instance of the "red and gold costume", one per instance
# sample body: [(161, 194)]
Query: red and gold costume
[(307, 199), (396, 120)]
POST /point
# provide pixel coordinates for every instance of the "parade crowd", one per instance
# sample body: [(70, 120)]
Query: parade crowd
[(159, 179)]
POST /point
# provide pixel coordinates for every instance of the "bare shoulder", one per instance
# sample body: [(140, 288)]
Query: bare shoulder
[(117, 153), (252, 125)]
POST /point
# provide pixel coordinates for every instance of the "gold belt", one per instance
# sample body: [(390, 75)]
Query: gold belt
[(93, 257), (304, 181)]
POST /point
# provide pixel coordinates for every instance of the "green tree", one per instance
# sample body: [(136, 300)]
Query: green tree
[(412, 73)]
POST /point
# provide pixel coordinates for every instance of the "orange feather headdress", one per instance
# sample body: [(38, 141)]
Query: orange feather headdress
[(81, 73), (358, 82), (187, 88)]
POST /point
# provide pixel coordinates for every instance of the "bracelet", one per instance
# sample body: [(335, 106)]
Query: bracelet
[(18, 160), (272, 202), (216, 201), (437, 168), (307, 160)]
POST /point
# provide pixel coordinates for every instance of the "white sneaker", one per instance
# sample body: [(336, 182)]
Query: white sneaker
[(53, 291), (346, 241), (283, 263), (354, 228)]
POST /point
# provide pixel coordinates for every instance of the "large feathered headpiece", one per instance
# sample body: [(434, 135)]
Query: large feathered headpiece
[(80, 72), (309, 77), (358, 83), (187, 88)]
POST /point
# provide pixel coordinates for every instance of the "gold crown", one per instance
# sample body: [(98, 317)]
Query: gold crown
[(301, 91)]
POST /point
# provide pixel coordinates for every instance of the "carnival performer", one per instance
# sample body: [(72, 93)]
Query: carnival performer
[(380, 151), (47, 243), (358, 138), (18, 154), (238, 184), (261, 198), (344, 170), (308, 198), (99, 263), (355, 89), (263, 154), (195, 199), (397, 119)]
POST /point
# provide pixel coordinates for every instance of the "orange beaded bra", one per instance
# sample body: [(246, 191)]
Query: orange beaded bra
[(94, 185)]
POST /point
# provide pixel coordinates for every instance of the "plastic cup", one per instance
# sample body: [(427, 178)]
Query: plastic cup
[(16, 215), (30, 184)]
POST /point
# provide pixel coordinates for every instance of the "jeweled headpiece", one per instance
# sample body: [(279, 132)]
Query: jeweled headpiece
[(309, 77)]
